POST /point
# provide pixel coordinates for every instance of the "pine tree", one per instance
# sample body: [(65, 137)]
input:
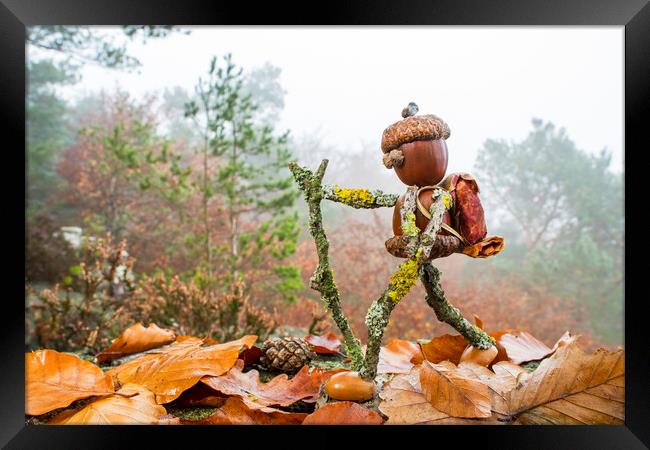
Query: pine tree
[(245, 166)]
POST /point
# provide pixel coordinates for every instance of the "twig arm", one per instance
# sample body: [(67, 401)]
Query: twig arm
[(359, 198)]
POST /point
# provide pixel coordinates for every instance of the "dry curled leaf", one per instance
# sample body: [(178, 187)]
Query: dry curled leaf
[(343, 413), (522, 347), (174, 369), (451, 391), (251, 355), (136, 339), (444, 348), (236, 411), (133, 404), (572, 387), (327, 344), (201, 395), (398, 356), (404, 404), (280, 391), (54, 380)]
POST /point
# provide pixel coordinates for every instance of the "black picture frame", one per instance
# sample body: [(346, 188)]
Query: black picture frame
[(15, 15)]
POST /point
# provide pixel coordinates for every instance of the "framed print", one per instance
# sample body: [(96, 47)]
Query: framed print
[(377, 218)]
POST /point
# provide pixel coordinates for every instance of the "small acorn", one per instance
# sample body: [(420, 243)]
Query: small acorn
[(478, 356), (415, 147), (349, 386)]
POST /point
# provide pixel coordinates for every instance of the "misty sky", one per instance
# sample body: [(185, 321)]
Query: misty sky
[(346, 84)]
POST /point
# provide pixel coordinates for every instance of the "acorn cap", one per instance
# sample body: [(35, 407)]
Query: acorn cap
[(413, 128)]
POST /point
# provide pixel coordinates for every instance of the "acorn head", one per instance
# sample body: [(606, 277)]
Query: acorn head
[(415, 147)]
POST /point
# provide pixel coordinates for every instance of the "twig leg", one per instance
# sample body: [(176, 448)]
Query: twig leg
[(322, 280), (376, 321), (446, 312), (379, 312)]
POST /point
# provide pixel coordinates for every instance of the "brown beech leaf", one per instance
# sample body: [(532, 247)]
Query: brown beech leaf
[(404, 404), (343, 413), (451, 391), (398, 356), (133, 404), (408, 348), (136, 339), (522, 347), (503, 377), (501, 355), (174, 369), (444, 348), (279, 391), (572, 387), (326, 344), (236, 411), (54, 380)]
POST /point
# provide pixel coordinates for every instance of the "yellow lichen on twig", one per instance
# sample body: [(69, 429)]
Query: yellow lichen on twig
[(355, 197)]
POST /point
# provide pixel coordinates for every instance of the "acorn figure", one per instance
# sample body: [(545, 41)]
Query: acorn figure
[(437, 216), (415, 147)]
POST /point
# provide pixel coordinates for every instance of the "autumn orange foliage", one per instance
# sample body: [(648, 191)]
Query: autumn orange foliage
[(567, 386)]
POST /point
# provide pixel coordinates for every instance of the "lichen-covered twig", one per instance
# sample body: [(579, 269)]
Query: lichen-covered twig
[(323, 280), (359, 198), (401, 283), (446, 312)]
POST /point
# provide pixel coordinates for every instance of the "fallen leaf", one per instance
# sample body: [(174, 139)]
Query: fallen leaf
[(251, 355), (136, 339), (501, 355), (503, 377), (404, 404), (478, 322), (279, 391), (444, 348), (343, 413), (54, 380), (236, 412), (201, 395), (397, 356), (174, 369), (522, 347), (133, 404), (408, 348), (327, 344), (572, 387), (451, 391)]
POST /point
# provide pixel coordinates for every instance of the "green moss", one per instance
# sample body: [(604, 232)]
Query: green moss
[(192, 413)]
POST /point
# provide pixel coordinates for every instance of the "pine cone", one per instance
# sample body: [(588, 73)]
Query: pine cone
[(287, 354)]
